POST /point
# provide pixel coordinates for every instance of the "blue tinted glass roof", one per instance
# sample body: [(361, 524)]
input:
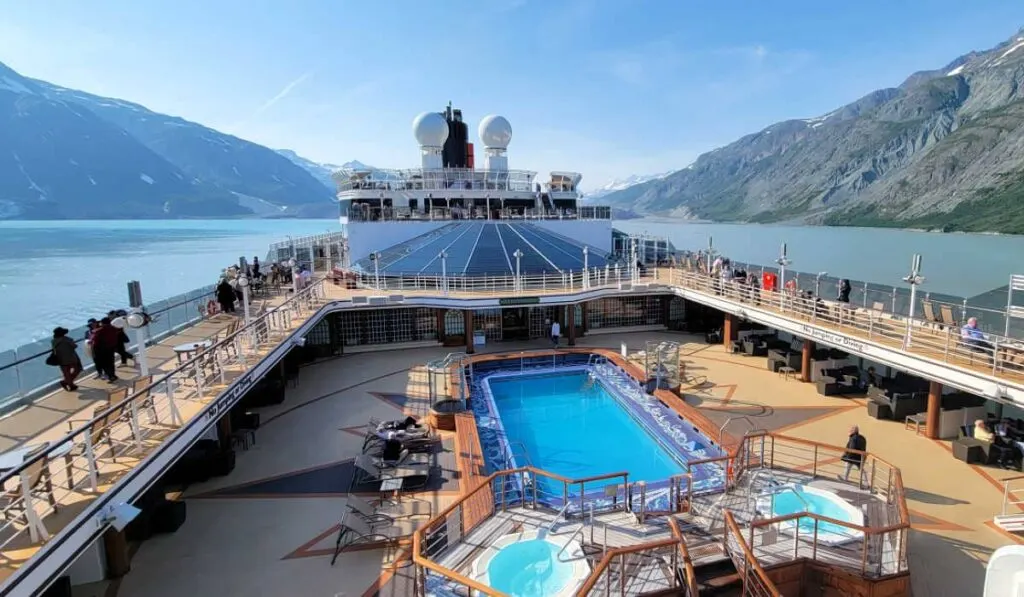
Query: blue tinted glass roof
[(486, 248)]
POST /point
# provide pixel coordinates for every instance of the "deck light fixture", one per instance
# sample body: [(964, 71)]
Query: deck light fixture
[(443, 256), (783, 261), (913, 278), (518, 285)]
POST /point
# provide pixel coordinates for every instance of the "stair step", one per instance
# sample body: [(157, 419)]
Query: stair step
[(1010, 522)]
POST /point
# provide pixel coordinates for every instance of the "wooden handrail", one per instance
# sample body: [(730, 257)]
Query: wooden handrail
[(748, 556), (601, 566), (451, 574), (684, 553), (839, 523)]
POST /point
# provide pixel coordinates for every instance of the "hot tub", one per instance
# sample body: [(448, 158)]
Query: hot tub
[(532, 564), (793, 499)]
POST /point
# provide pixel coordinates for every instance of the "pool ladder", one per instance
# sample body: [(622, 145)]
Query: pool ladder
[(579, 531)]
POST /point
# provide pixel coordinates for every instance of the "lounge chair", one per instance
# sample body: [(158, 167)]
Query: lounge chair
[(372, 471), (354, 530), (366, 511), (929, 314)]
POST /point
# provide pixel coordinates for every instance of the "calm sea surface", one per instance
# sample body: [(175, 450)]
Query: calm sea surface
[(61, 273)]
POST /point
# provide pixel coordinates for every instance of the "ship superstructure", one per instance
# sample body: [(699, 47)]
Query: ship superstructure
[(382, 208)]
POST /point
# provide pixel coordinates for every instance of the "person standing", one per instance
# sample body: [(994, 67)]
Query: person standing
[(226, 296), (856, 445), (122, 338), (556, 331), (66, 355), (104, 348)]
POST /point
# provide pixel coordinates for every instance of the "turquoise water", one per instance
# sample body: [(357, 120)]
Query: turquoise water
[(798, 500), (529, 569), (62, 273), (573, 427)]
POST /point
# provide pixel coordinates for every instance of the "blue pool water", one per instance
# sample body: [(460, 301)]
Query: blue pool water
[(571, 426), (789, 502), (529, 569)]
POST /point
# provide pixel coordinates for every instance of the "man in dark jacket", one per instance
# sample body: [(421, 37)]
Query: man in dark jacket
[(104, 347), (856, 445)]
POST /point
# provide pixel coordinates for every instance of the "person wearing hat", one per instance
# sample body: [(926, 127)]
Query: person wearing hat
[(66, 356)]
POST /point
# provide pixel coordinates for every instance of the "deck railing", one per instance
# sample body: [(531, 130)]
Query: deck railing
[(24, 373), (755, 581), (877, 548), (67, 474), (526, 487), (1000, 357), (462, 286)]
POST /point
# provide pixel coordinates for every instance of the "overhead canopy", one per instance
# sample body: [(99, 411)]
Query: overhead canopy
[(485, 248)]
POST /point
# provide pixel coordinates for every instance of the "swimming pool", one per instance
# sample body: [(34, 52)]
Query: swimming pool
[(570, 424), (532, 564), (793, 499)]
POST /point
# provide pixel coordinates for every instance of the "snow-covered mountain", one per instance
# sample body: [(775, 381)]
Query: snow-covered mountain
[(623, 183)]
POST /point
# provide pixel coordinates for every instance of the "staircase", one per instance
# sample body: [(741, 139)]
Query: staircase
[(718, 578), (1012, 517)]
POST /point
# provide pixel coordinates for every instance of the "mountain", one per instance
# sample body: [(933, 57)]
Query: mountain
[(321, 172), (324, 172), (623, 183), (67, 154), (944, 150)]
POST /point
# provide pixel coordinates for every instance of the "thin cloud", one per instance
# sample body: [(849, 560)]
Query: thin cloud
[(287, 89)]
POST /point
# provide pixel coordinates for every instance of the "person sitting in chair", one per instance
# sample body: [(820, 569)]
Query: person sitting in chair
[(974, 338)]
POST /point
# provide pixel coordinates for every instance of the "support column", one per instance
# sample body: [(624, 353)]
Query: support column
[(115, 548), (934, 409), (730, 331), (441, 335), (583, 317), (467, 323), (666, 310), (570, 324), (224, 431), (805, 361)]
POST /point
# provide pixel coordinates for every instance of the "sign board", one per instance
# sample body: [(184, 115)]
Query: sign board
[(834, 339), (515, 301)]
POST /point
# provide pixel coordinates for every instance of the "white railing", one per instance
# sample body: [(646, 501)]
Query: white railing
[(131, 424), (995, 355), (569, 281)]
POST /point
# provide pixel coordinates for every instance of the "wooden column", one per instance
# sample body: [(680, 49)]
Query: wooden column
[(934, 409), (115, 547), (224, 431), (805, 361), (570, 324), (441, 336), (467, 323), (730, 331), (666, 310), (583, 318)]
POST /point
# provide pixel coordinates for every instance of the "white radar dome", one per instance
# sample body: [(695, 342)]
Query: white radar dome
[(495, 131), (430, 129)]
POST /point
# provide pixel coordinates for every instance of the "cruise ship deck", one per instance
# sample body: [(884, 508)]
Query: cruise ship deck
[(269, 526)]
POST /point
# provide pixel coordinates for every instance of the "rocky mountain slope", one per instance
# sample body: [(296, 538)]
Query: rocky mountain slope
[(70, 154), (620, 184), (944, 150)]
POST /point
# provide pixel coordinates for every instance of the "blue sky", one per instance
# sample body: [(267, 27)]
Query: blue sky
[(605, 87)]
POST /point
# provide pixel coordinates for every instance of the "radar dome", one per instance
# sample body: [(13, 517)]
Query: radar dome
[(495, 131), (430, 129)]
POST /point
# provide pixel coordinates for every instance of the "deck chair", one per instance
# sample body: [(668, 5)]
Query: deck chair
[(40, 485), (929, 314), (143, 398), (947, 315), (354, 530), (371, 471)]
